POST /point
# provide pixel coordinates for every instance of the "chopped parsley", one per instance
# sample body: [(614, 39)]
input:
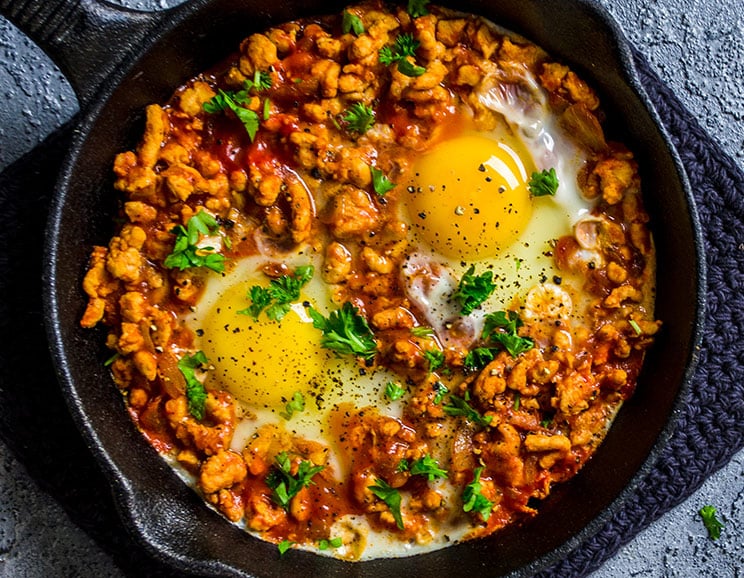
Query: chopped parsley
[(186, 253), (473, 500), (459, 406), (394, 391), (502, 327), (517, 400), (417, 8), (405, 46), (544, 183), (435, 357), (427, 467), (284, 485), (473, 290), (295, 405), (711, 522), (332, 543), (359, 118), (440, 391), (634, 325), (380, 183), (391, 497), (277, 298), (196, 395), (283, 546), (479, 357), (345, 332), (232, 101), (422, 331), (111, 359), (351, 23)]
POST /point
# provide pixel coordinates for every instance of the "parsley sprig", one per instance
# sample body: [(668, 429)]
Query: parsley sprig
[(426, 466), (417, 8), (544, 183), (196, 395), (435, 358), (186, 253), (359, 118), (286, 486), (711, 522), (351, 23), (345, 332), (394, 391), (277, 298), (502, 327), (380, 183), (405, 46), (474, 289), (473, 500), (391, 497), (236, 101), (459, 406)]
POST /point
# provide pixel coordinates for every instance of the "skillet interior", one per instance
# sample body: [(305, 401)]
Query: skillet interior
[(170, 517)]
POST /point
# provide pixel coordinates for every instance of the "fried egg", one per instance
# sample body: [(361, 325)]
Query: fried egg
[(468, 203)]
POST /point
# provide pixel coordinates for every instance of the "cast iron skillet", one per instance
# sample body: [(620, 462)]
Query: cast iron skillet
[(118, 61)]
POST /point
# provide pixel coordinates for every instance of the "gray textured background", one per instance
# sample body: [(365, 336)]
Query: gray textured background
[(696, 47)]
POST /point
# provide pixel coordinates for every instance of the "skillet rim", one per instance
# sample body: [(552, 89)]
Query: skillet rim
[(122, 488)]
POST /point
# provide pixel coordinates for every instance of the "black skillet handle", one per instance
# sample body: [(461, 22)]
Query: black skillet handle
[(85, 38)]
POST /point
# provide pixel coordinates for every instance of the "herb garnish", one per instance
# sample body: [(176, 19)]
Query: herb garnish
[(417, 8), (479, 357), (359, 118), (380, 182), (196, 395), (295, 405), (473, 500), (277, 297), (544, 183), (502, 327), (460, 406), (405, 46), (394, 391), (324, 544), (345, 332), (428, 467), (186, 253), (422, 331), (435, 357), (711, 522), (352, 23), (283, 546), (285, 486), (391, 497), (227, 101), (440, 391), (473, 290)]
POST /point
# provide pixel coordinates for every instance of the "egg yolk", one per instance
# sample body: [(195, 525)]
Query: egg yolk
[(469, 198), (261, 362)]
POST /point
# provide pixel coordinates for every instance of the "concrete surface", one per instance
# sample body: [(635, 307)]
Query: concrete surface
[(696, 47)]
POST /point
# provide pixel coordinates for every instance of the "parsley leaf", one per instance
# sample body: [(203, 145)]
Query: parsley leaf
[(232, 101), (391, 497), (380, 182), (196, 395), (427, 466), (544, 183), (186, 253), (711, 522), (403, 465), (473, 290), (479, 357), (394, 391), (417, 8), (435, 357), (502, 327), (473, 500), (283, 546), (352, 23), (422, 331), (405, 46), (285, 486), (332, 543), (276, 298), (295, 405), (359, 118), (261, 81), (345, 331), (441, 390), (459, 406)]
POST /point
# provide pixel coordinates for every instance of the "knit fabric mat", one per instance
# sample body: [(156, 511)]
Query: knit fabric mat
[(710, 429), (35, 425)]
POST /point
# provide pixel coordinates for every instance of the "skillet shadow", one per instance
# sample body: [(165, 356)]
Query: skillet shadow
[(34, 420)]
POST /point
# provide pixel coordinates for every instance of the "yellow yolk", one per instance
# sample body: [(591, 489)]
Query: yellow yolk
[(261, 362), (469, 198)]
